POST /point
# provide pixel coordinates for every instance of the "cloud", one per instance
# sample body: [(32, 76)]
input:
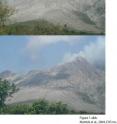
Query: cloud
[(93, 53), (41, 41), (69, 57), (36, 43)]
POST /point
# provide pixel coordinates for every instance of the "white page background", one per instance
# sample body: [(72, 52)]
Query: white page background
[(111, 82)]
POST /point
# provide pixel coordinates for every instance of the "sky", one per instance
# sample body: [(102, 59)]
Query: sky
[(25, 53)]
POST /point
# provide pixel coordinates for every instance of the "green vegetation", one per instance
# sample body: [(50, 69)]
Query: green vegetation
[(40, 107), (6, 89), (5, 12), (41, 27)]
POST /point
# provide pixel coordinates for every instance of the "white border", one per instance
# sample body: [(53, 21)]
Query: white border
[(111, 81), (111, 61)]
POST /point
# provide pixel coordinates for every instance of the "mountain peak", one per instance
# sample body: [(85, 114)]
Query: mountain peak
[(76, 83), (6, 73)]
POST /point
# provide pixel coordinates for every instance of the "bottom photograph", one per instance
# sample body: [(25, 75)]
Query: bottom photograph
[(52, 75)]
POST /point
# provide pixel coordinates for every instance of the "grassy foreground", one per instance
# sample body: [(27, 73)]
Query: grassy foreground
[(40, 27), (42, 107)]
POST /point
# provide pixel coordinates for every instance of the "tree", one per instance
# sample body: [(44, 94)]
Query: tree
[(6, 89), (5, 12), (40, 107), (58, 108)]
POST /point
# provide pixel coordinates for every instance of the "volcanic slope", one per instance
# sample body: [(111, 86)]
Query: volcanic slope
[(78, 84), (81, 15)]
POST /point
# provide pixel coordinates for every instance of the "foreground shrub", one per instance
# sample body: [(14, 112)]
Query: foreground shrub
[(58, 108), (6, 90), (17, 109), (5, 12), (39, 107)]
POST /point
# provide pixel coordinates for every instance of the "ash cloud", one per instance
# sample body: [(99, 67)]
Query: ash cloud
[(93, 53)]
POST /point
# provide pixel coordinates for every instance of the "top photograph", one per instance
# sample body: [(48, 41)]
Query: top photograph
[(52, 17)]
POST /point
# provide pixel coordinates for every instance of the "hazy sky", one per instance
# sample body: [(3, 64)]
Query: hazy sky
[(24, 53)]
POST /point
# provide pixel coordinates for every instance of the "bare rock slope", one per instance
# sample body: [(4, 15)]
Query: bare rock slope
[(78, 84), (82, 15)]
